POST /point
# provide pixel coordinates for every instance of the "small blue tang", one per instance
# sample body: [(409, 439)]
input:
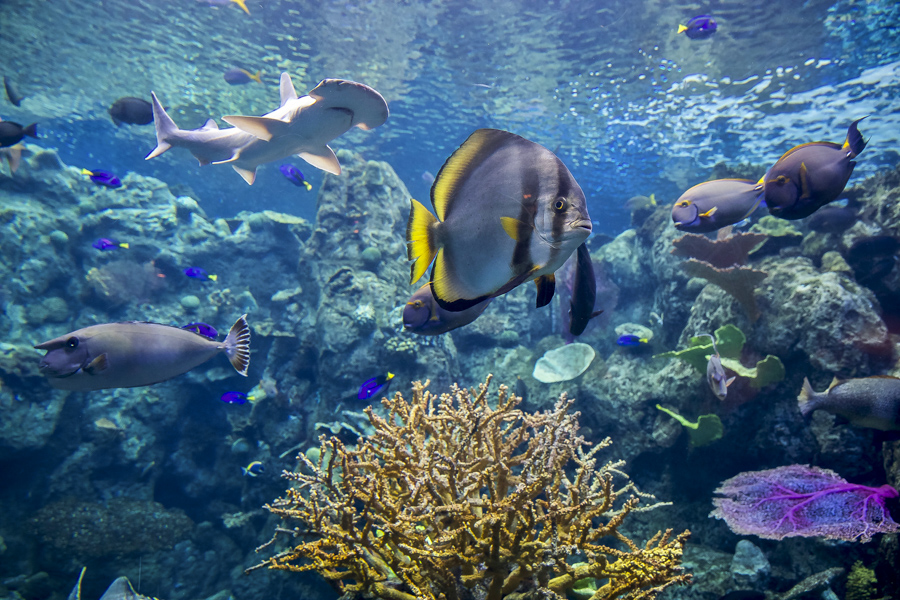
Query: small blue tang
[(204, 329), (699, 28), (254, 469), (108, 244), (103, 178), (198, 273), (236, 398), (294, 175), (373, 386), (631, 341)]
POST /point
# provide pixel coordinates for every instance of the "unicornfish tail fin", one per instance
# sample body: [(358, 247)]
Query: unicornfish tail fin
[(165, 128), (421, 246), (237, 345), (854, 143)]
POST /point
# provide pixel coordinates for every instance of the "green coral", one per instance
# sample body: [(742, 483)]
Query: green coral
[(729, 342), (706, 430), (775, 227), (861, 582)]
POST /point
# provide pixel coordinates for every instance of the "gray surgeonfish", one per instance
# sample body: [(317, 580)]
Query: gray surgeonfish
[(811, 175), (301, 126), (508, 211), (872, 402), (134, 354), (422, 314), (711, 205)]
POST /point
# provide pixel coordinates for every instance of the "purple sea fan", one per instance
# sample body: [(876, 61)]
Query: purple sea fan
[(800, 500)]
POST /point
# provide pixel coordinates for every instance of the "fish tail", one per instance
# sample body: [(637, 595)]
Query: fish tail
[(806, 399), (308, 185), (165, 128), (237, 345), (213, 277), (124, 245), (258, 77), (242, 4), (31, 130), (682, 29), (421, 245), (854, 142)]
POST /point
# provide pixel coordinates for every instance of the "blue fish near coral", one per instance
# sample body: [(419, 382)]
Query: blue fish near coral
[(254, 469), (294, 175), (238, 76), (108, 244), (236, 398), (104, 178), (198, 273), (699, 28), (374, 386), (632, 341), (204, 329)]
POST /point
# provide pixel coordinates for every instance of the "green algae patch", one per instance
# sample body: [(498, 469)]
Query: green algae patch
[(706, 430)]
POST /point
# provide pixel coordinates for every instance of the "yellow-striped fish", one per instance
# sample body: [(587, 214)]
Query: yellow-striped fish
[(508, 211)]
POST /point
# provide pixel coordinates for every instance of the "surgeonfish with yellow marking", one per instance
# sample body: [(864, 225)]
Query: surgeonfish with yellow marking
[(811, 175), (508, 211), (422, 314), (711, 205), (134, 354), (872, 402)]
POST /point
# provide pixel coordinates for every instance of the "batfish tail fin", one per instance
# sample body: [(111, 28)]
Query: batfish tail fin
[(421, 245), (166, 128), (806, 401), (854, 142), (237, 345)]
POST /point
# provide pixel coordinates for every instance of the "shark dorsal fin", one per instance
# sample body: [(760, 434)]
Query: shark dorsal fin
[(287, 89), (209, 125)]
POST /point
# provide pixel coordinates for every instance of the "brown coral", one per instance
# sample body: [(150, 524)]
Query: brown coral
[(450, 499)]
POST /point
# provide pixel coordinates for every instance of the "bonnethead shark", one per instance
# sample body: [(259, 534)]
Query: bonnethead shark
[(301, 126)]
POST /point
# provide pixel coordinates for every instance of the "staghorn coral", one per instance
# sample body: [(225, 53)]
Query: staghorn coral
[(452, 499)]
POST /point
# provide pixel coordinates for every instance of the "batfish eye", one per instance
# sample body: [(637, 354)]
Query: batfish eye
[(560, 204), (72, 342)]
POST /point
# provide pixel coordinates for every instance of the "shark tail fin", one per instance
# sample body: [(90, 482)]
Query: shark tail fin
[(165, 128)]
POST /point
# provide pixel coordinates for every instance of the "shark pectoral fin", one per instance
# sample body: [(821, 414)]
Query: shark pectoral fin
[(249, 175), (97, 366), (323, 158), (262, 127), (287, 89)]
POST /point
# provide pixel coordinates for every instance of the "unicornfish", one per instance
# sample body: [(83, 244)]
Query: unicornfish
[(135, 354), (508, 211), (301, 125), (711, 205)]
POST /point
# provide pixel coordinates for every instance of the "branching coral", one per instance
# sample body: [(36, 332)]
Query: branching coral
[(452, 499)]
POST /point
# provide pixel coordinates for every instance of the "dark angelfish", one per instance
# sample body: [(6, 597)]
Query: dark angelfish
[(131, 110)]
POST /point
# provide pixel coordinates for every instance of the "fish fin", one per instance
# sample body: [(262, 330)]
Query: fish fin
[(249, 175), (258, 77), (75, 594), (165, 128), (124, 245), (87, 172), (307, 185), (30, 130), (210, 125), (854, 144), (730, 381), (834, 383), (710, 212), (682, 28), (13, 158), (237, 345), (262, 127), (807, 393), (804, 182), (482, 143), (421, 246), (286, 88), (213, 277), (596, 313), (242, 4), (323, 159), (115, 121), (546, 285), (97, 366), (514, 228)]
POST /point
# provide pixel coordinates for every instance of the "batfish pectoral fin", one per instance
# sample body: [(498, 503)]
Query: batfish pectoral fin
[(322, 158), (97, 366), (262, 127), (804, 183), (249, 175), (546, 285), (514, 228), (286, 87)]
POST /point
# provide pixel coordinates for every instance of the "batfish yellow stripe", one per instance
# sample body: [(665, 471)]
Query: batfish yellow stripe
[(420, 244)]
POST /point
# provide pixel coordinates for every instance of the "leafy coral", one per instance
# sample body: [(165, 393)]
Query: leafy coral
[(706, 430), (450, 498)]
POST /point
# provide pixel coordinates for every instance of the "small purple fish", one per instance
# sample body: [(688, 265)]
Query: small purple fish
[(198, 273), (294, 175), (373, 386), (238, 76), (236, 398), (103, 178), (203, 329), (108, 244), (699, 28)]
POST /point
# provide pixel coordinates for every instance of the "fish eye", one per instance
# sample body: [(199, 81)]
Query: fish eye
[(72, 342), (684, 203), (418, 304), (560, 204), (781, 180)]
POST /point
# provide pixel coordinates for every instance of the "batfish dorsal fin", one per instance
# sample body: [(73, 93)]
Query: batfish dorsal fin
[(453, 174), (286, 87)]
